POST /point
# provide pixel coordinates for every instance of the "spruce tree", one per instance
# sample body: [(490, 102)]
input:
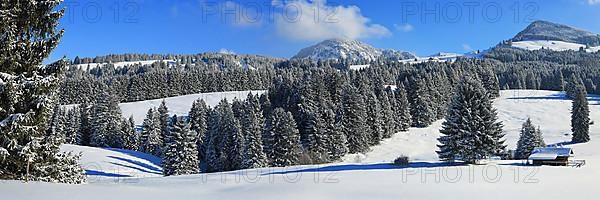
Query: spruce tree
[(252, 128), (403, 108), (374, 119), (28, 93), (180, 151), (130, 139), (580, 117), (213, 160), (232, 140), (163, 116), (421, 110), (150, 138), (529, 139), (354, 120), (471, 131), (282, 142), (198, 119)]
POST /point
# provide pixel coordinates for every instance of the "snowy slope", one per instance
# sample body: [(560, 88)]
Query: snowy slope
[(373, 178), (121, 64), (101, 164), (179, 105), (553, 45)]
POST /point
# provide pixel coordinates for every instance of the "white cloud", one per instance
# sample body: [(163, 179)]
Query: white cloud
[(404, 27), (593, 2), (315, 20)]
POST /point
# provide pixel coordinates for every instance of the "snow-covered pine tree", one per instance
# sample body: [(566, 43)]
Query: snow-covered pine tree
[(354, 120), (471, 131), (130, 139), (374, 119), (150, 138), (84, 133), (180, 151), (163, 116), (232, 143), (57, 128), (213, 159), (421, 110), (403, 108), (282, 142), (529, 139), (28, 92), (252, 124), (580, 117), (336, 139), (387, 111), (198, 119), (106, 122), (72, 126)]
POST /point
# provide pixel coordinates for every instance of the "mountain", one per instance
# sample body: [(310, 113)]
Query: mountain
[(544, 30), (349, 49)]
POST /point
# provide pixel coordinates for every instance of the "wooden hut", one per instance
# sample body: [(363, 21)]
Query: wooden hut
[(550, 156)]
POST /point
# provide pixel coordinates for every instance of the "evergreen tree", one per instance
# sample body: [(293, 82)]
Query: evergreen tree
[(150, 138), (282, 142), (198, 119), (471, 131), (213, 160), (354, 120), (421, 110), (580, 117), (130, 139), (252, 127), (180, 151), (374, 120), (529, 139), (232, 142), (106, 122), (402, 109), (85, 125), (28, 93), (163, 114)]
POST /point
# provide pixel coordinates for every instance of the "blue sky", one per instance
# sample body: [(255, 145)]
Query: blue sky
[(193, 26)]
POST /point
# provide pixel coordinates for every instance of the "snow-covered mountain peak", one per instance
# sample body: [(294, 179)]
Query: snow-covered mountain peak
[(346, 49)]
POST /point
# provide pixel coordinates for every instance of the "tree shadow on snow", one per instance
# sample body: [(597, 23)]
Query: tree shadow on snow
[(366, 167), (140, 166), (100, 173), (144, 156)]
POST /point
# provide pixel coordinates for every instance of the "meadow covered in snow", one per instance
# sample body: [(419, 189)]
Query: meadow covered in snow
[(120, 174)]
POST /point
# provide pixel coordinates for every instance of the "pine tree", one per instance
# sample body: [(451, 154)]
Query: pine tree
[(150, 138), (130, 139), (354, 120), (198, 119), (282, 142), (180, 151), (85, 124), (106, 122), (421, 109), (580, 117), (529, 139), (213, 159), (374, 120), (232, 143), (470, 131), (163, 114), (57, 127), (28, 93), (252, 127), (336, 139), (403, 108)]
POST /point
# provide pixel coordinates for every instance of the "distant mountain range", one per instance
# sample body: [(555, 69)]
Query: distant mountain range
[(346, 49)]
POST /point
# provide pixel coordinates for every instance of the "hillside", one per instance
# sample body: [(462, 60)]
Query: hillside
[(373, 178), (544, 30), (345, 49)]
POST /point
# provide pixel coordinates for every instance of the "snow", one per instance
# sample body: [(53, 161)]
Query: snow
[(179, 105), (111, 164), (121, 64), (553, 45), (358, 67), (371, 176)]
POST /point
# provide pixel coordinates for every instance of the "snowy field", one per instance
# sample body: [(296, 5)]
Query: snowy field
[(366, 176), (179, 105), (553, 45), (88, 66)]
